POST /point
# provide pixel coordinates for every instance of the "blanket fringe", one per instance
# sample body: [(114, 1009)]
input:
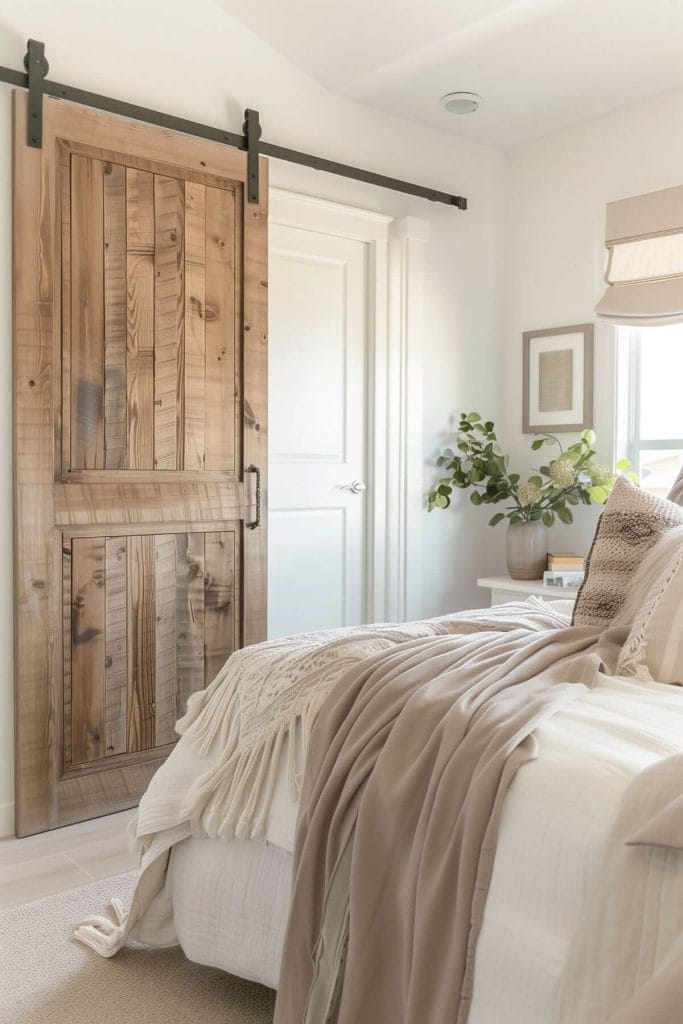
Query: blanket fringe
[(102, 934), (233, 798)]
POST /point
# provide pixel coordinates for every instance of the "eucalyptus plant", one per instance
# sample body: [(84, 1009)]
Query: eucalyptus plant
[(571, 477)]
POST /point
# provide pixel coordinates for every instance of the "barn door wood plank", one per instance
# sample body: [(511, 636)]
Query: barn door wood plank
[(140, 318), (189, 617), (219, 601), (165, 639), (115, 428), (169, 303), (220, 330), (87, 649), (141, 633), (66, 652), (116, 647), (139, 210), (87, 313), (195, 340), (140, 360)]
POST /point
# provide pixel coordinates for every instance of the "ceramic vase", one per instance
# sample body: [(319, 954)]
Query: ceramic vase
[(527, 550)]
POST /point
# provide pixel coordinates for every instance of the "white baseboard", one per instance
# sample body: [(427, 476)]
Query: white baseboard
[(6, 820)]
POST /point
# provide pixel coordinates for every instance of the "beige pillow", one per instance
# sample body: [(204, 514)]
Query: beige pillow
[(630, 525), (654, 647)]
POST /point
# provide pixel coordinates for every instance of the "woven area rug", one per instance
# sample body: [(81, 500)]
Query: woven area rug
[(45, 978)]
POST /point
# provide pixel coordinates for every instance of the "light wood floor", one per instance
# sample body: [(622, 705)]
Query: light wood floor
[(63, 859)]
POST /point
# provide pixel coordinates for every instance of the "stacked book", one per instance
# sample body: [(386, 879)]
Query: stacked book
[(564, 571)]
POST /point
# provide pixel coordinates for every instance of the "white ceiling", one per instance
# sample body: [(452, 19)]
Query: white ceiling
[(540, 65)]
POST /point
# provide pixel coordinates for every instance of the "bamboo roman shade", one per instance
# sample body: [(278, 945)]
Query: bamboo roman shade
[(644, 238)]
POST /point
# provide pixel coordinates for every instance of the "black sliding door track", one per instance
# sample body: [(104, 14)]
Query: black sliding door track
[(38, 85)]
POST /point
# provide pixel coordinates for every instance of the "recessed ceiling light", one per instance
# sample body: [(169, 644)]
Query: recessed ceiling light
[(460, 102)]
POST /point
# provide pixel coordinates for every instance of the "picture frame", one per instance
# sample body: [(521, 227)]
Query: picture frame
[(558, 379)]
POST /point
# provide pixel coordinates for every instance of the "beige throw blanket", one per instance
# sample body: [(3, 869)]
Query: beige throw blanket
[(219, 779), (625, 965), (408, 765)]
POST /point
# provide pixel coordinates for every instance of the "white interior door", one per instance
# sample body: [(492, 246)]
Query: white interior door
[(318, 435)]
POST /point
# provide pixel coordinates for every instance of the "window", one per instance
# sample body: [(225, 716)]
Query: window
[(650, 403)]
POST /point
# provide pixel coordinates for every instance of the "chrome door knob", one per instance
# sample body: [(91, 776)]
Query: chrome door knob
[(356, 487)]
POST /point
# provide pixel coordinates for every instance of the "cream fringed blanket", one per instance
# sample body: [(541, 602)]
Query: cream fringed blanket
[(219, 779)]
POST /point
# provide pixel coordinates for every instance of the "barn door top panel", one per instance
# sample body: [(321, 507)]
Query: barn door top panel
[(151, 318)]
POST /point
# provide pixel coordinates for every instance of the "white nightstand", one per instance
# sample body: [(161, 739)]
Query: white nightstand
[(504, 588)]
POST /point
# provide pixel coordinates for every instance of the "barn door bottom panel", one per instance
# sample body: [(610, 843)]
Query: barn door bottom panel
[(147, 621)]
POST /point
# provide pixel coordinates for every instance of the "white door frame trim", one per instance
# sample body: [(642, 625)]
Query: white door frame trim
[(394, 389)]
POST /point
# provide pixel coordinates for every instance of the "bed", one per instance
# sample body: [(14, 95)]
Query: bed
[(230, 899)]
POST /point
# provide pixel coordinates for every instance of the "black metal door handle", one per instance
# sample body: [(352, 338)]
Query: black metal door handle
[(257, 521)]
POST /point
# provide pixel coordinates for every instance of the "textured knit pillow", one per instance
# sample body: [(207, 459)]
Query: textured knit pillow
[(654, 647), (676, 492), (631, 523)]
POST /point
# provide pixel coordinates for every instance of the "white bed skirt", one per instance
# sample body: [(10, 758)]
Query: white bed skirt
[(230, 903)]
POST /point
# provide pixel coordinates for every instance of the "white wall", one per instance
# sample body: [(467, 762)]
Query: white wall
[(557, 189), (194, 61)]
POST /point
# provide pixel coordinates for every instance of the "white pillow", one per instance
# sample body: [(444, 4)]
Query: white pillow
[(654, 648)]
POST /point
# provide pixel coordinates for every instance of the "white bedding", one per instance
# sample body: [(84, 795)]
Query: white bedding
[(230, 898)]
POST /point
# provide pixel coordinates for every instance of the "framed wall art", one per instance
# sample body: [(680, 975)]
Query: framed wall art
[(558, 379)]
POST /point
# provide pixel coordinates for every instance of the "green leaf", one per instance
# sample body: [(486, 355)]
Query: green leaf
[(441, 501), (488, 426), (598, 494), (536, 480), (624, 464), (548, 518), (473, 417), (538, 443), (445, 489), (589, 437), (514, 479), (498, 518), (476, 498), (564, 515)]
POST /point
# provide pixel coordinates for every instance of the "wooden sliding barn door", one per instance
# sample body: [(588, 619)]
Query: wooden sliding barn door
[(140, 414)]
